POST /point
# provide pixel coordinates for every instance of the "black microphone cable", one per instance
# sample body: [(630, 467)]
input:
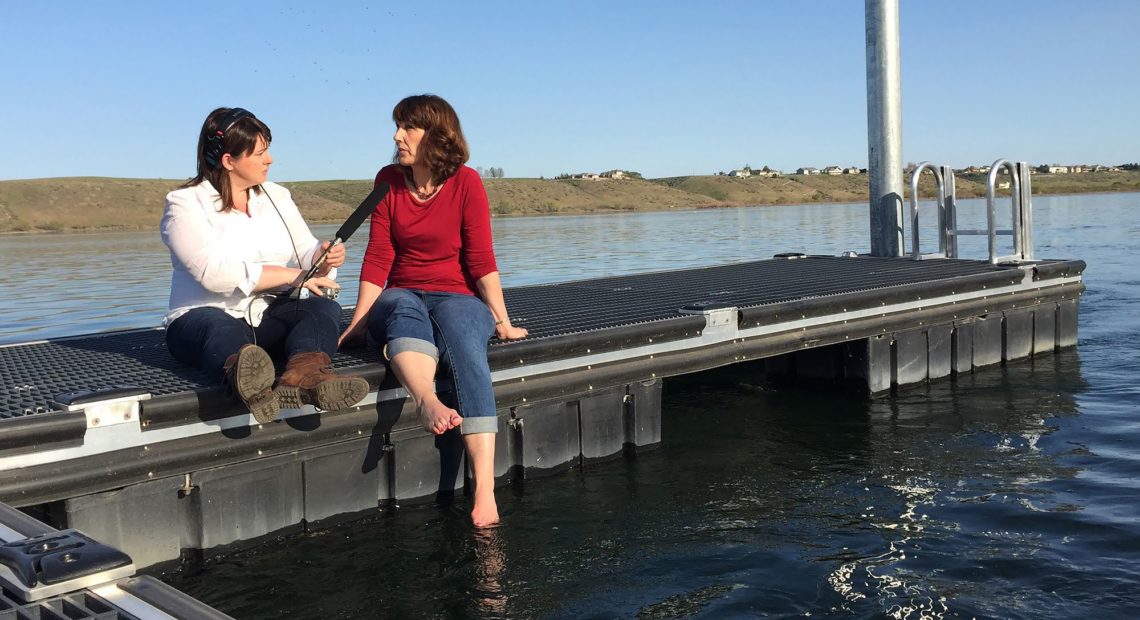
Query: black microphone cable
[(270, 295)]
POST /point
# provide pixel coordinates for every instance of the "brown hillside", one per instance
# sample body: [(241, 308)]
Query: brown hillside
[(96, 203)]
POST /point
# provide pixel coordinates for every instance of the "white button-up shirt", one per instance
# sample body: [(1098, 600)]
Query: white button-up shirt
[(218, 257)]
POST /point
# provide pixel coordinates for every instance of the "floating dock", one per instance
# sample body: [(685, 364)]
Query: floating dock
[(107, 434)]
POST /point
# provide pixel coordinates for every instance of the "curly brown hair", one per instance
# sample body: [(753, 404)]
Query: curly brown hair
[(443, 148)]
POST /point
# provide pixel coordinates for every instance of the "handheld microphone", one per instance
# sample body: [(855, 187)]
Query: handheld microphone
[(346, 230)]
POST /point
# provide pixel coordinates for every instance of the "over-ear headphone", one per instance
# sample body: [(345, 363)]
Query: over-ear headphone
[(213, 151)]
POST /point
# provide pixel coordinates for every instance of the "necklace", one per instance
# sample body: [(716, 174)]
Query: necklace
[(423, 194)]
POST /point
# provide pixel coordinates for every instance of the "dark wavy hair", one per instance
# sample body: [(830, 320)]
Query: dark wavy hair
[(239, 139), (443, 148)]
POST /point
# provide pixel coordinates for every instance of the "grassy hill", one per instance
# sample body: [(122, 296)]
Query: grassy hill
[(793, 189), (97, 203), (532, 196), (797, 189)]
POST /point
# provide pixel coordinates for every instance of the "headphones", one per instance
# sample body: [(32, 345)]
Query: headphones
[(213, 151)]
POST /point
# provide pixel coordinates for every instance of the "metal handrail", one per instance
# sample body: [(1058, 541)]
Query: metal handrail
[(948, 231), (991, 212), (1026, 210), (940, 183)]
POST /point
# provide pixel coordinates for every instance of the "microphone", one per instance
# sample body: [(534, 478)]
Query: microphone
[(346, 230), (367, 206)]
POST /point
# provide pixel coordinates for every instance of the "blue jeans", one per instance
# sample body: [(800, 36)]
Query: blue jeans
[(205, 337), (453, 329)]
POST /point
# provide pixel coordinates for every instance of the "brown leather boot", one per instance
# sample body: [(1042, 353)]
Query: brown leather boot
[(309, 380), (250, 374)]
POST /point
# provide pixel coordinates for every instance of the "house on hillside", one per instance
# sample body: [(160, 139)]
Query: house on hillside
[(833, 170), (743, 173), (808, 171), (614, 174), (586, 176), (851, 170)]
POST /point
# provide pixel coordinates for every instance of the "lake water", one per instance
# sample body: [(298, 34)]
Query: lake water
[(1012, 492), (117, 280)]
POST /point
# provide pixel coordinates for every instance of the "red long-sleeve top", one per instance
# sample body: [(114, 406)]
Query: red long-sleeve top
[(443, 244)]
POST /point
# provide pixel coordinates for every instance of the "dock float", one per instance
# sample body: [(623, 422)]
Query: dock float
[(107, 434)]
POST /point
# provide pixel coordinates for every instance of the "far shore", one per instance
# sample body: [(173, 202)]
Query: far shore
[(98, 204)]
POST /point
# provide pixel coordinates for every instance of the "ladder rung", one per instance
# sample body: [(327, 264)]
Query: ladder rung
[(962, 233), (928, 256)]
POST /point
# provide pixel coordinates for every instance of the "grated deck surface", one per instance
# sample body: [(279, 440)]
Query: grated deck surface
[(81, 605), (32, 374)]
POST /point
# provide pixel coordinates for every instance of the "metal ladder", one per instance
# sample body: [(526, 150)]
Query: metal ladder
[(948, 231)]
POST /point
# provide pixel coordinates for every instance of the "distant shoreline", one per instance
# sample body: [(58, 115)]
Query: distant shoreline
[(98, 205)]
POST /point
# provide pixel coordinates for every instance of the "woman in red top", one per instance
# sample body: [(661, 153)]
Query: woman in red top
[(429, 285)]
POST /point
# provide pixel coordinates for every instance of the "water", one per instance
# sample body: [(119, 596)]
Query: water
[(1007, 493), (117, 280)]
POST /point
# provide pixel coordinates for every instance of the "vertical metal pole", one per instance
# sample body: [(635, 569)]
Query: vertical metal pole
[(949, 230), (884, 127), (1025, 173)]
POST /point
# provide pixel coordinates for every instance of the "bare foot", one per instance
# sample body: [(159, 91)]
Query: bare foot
[(437, 417), (486, 511)]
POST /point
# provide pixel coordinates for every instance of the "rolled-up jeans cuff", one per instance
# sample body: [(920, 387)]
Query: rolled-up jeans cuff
[(479, 424), (396, 346)]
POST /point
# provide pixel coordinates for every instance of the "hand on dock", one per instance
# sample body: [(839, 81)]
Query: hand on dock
[(506, 331)]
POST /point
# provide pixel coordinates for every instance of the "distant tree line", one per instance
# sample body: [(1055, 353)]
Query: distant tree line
[(616, 173), (489, 173)]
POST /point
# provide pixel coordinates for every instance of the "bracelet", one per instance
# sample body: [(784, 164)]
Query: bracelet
[(500, 322)]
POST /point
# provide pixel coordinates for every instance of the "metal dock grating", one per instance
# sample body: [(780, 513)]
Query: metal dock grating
[(80, 605), (34, 374)]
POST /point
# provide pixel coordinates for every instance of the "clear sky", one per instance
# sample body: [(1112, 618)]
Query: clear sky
[(665, 88)]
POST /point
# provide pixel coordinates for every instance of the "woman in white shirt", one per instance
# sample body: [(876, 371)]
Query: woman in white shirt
[(238, 244)]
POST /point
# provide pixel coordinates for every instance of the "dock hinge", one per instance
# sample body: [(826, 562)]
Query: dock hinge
[(720, 318), (105, 407)]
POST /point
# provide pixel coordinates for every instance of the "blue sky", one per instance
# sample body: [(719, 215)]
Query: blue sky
[(664, 88)]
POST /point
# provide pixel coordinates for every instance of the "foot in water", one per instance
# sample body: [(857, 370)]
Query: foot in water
[(486, 511), (437, 417)]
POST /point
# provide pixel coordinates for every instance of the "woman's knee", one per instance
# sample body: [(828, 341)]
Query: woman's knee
[(393, 304), (465, 318), (464, 325), (400, 314), (323, 307), (397, 301)]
